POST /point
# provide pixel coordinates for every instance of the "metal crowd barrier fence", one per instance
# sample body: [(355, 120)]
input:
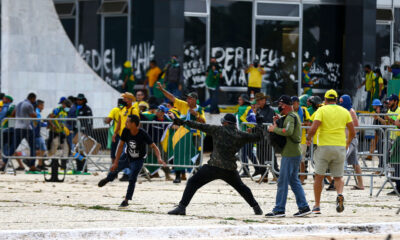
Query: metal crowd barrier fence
[(34, 139), (369, 118), (392, 162)]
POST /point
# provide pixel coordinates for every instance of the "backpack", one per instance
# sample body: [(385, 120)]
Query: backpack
[(278, 142)]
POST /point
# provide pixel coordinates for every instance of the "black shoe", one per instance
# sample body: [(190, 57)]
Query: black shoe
[(392, 193), (339, 203), (124, 178), (257, 210), (177, 178), (303, 212), (3, 168), (102, 182), (179, 210), (275, 214), (124, 204), (331, 187)]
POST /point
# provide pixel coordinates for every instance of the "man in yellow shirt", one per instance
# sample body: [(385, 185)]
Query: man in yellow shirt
[(369, 78), (129, 109), (152, 76), (331, 120), (255, 72), (114, 116)]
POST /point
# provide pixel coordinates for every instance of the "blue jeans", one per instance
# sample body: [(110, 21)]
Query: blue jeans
[(135, 167), (289, 176), (368, 101), (214, 101)]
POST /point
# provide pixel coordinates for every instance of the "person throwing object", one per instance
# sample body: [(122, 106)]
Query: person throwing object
[(227, 141)]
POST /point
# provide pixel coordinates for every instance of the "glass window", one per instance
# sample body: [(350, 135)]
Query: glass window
[(396, 40), (198, 6), (382, 45), (323, 37), (276, 9), (194, 54), (69, 27), (277, 50), (115, 49), (231, 43)]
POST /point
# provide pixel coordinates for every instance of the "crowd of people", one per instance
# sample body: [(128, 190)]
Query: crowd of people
[(60, 135)]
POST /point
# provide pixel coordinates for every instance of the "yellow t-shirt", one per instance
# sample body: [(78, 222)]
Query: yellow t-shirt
[(153, 74), (183, 107), (114, 115), (333, 120), (255, 77), (124, 113), (394, 135), (306, 117), (369, 78)]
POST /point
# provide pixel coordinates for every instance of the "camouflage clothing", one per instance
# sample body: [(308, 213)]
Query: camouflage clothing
[(227, 141)]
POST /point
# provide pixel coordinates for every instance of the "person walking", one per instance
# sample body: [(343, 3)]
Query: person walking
[(368, 83), (351, 155), (290, 162), (331, 120), (227, 141), (213, 77), (136, 140)]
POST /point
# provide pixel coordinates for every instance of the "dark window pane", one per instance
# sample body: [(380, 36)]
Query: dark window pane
[(231, 43), (194, 54), (275, 9), (113, 7), (65, 9), (69, 27), (396, 42), (199, 6), (382, 45), (323, 37), (384, 14), (277, 49)]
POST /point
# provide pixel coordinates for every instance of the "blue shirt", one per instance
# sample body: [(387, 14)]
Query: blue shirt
[(300, 113), (38, 124)]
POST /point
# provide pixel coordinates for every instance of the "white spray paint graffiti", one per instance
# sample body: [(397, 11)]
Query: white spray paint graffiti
[(193, 67), (141, 55)]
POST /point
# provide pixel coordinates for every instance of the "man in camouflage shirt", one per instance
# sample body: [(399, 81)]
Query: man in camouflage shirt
[(227, 141)]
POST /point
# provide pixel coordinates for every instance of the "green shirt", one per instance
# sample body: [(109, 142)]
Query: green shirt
[(292, 134), (212, 80)]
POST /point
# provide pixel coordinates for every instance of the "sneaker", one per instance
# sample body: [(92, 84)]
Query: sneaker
[(274, 181), (303, 212), (179, 210), (124, 204), (331, 187), (275, 214), (316, 210), (124, 178), (339, 203), (257, 210), (177, 178), (102, 182)]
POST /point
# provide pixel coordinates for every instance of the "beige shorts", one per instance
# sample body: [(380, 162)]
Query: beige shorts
[(330, 157)]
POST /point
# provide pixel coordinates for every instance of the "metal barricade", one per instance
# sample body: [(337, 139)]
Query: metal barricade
[(261, 155), (36, 139), (180, 147), (368, 118), (392, 161)]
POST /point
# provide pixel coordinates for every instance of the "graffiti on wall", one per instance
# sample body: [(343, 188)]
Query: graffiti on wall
[(194, 67), (140, 55)]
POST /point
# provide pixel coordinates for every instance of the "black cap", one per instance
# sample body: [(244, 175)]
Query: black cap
[(285, 99), (393, 97), (295, 99), (229, 118), (80, 96)]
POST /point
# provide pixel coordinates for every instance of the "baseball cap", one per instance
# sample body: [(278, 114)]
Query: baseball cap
[(285, 99), (229, 118), (295, 99), (393, 97), (163, 108), (62, 99), (193, 95), (128, 95), (331, 94)]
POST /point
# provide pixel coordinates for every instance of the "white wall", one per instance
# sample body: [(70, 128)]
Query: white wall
[(37, 55)]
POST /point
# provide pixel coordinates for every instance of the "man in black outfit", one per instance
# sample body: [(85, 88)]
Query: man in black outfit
[(136, 140), (227, 141), (264, 151)]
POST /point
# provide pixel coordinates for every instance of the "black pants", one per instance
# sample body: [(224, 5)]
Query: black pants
[(209, 173)]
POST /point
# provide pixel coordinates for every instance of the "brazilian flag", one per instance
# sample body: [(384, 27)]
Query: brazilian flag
[(183, 147)]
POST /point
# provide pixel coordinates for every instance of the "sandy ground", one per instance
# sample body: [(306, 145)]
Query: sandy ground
[(27, 202)]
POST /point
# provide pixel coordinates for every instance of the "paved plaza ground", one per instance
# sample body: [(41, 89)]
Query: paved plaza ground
[(29, 203)]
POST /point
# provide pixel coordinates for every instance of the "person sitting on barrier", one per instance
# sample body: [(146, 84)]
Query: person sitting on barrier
[(243, 114), (40, 144), (113, 117), (331, 120), (136, 140), (290, 162), (227, 141), (190, 111), (352, 153)]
